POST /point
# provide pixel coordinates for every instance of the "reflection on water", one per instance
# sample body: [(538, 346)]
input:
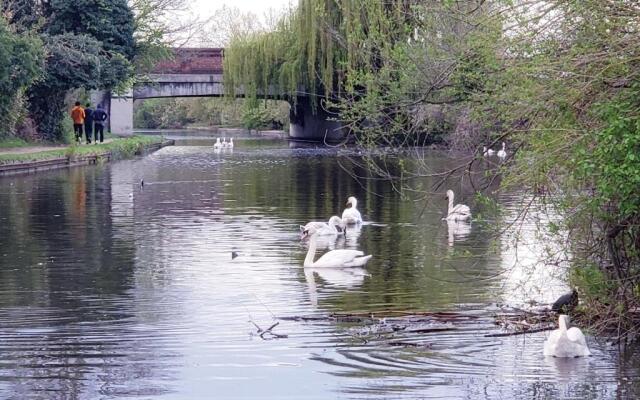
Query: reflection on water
[(109, 289), (457, 231)]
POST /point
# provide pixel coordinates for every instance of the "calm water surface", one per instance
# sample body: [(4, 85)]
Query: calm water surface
[(110, 290)]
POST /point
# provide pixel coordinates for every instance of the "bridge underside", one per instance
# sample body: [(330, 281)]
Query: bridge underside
[(179, 85), (305, 123)]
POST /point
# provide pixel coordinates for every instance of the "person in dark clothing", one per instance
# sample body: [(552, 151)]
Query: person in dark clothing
[(99, 116), (88, 122)]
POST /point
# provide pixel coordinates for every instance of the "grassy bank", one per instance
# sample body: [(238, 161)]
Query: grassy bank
[(118, 148), (12, 143)]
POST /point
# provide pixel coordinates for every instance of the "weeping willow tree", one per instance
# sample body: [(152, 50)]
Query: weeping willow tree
[(315, 48), (377, 64)]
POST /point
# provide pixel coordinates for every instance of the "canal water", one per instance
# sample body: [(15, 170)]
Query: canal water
[(114, 290)]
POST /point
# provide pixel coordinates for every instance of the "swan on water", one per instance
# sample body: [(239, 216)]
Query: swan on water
[(217, 144), (230, 144), (502, 153), (351, 215), (333, 258), (564, 342), (487, 152), (457, 230), (459, 212), (333, 227)]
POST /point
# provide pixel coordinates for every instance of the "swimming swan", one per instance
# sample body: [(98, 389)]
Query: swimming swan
[(457, 230), (230, 144), (217, 144), (487, 152), (502, 153), (351, 215), (564, 342), (333, 227), (458, 213), (333, 258)]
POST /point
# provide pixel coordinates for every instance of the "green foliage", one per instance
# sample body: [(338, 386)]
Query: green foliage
[(209, 112), (152, 34), (161, 114), (87, 44), (592, 282), (117, 148), (20, 65), (566, 94), (110, 22), (381, 66), (12, 143), (609, 161)]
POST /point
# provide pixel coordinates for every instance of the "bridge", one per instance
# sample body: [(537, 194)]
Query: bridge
[(197, 72)]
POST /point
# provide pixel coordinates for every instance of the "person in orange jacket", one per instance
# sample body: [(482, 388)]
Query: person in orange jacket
[(77, 114)]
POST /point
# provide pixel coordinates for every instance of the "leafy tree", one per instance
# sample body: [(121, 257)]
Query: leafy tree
[(20, 64), (89, 44), (111, 22)]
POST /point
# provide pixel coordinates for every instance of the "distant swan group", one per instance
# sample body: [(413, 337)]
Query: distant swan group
[(224, 144), (502, 153)]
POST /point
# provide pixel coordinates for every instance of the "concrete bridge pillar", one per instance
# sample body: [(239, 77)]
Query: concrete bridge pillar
[(121, 114), (305, 125)]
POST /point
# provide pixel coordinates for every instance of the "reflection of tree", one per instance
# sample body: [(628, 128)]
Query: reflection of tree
[(65, 279)]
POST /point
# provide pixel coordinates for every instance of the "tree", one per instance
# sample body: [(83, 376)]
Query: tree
[(87, 44), (20, 65)]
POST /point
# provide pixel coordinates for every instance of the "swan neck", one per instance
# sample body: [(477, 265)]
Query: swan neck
[(450, 204), (311, 253), (354, 203), (562, 322)]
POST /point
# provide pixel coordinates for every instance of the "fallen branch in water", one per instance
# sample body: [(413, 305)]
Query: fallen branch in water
[(269, 331), (432, 330), (410, 344), (548, 328)]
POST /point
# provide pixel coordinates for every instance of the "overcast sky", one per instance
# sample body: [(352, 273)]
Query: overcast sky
[(213, 32), (206, 7)]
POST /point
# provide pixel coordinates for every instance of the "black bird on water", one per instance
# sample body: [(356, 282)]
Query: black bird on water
[(566, 302)]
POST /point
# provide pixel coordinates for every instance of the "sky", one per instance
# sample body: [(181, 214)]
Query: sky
[(207, 7), (210, 34)]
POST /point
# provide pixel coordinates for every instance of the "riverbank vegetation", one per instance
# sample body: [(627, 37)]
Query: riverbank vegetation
[(52, 49), (116, 148), (176, 113), (558, 81)]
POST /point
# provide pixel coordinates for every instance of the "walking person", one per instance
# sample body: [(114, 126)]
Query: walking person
[(88, 123), (99, 116), (77, 114)]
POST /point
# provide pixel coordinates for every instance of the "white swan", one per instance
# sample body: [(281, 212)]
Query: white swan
[(217, 144), (487, 152), (351, 215), (333, 258), (224, 143), (502, 153), (325, 228), (459, 212), (230, 144), (457, 230), (564, 342)]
